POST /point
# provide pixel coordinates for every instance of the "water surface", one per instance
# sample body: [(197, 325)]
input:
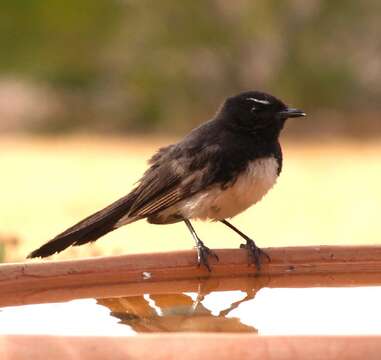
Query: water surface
[(264, 311)]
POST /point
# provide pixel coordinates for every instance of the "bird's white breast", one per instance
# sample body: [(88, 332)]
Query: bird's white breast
[(217, 203)]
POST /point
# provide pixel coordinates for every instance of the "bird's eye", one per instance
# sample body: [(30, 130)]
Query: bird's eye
[(257, 101)]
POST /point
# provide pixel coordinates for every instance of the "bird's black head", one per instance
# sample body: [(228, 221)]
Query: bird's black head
[(256, 112)]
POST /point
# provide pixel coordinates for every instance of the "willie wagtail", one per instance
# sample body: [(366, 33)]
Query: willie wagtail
[(217, 171)]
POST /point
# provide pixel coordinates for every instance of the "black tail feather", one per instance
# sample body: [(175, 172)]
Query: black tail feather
[(89, 229)]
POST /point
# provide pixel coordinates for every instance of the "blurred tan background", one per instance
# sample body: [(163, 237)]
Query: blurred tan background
[(88, 90)]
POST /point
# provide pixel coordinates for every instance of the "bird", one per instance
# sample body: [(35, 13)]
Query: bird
[(217, 171)]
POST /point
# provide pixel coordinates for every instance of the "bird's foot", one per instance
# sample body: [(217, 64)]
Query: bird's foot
[(254, 253), (203, 252)]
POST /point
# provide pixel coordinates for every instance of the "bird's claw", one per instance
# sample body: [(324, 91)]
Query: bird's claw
[(254, 253), (203, 252)]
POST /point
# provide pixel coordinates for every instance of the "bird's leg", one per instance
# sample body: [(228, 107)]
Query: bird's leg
[(203, 252), (253, 250)]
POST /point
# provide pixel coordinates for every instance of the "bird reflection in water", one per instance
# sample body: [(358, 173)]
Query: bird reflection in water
[(178, 312)]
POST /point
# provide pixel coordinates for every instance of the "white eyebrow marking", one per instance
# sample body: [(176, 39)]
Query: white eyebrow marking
[(265, 102)]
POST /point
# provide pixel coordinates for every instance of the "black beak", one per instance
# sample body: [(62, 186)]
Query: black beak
[(290, 113)]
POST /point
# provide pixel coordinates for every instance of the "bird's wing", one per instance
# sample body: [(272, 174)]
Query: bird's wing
[(169, 181), (157, 192)]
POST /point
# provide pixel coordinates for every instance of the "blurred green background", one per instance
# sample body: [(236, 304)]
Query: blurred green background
[(163, 66)]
